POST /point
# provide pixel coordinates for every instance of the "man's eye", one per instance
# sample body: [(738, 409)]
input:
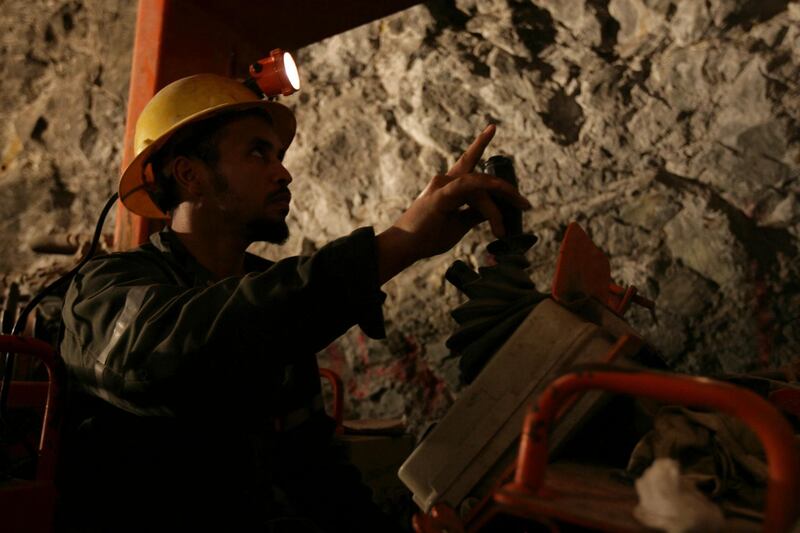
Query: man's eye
[(257, 152)]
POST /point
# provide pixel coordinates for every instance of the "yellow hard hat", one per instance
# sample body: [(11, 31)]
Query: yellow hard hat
[(180, 103)]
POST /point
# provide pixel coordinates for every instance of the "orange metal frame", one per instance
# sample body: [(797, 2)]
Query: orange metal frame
[(29, 505), (770, 426), (583, 271), (521, 497)]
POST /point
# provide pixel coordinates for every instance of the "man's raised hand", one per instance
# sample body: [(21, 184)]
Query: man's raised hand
[(447, 208)]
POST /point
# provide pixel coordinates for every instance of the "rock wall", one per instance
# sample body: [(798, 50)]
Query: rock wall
[(669, 129), (65, 67)]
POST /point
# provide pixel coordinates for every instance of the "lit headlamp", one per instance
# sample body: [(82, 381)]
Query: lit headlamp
[(275, 74)]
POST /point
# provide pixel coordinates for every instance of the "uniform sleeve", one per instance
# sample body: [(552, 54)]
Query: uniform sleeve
[(145, 344)]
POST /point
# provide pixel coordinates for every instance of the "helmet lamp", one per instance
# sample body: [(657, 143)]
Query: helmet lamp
[(276, 74)]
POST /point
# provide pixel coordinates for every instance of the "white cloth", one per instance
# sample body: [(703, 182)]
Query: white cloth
[(672, 503)]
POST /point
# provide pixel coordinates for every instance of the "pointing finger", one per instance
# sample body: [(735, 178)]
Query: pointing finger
[(468, 160)]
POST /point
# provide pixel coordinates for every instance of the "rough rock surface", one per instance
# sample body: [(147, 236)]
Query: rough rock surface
[(669, 129), (65, 67)]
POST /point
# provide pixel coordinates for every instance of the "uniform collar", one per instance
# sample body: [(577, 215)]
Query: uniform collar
[(168, 243)]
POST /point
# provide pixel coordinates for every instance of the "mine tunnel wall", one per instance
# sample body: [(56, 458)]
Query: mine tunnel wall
[(669, 130)]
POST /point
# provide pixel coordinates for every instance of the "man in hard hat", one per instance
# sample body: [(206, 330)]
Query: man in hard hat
[(200, 402)]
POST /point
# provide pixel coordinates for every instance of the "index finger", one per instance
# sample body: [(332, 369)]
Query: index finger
[(468, 160)]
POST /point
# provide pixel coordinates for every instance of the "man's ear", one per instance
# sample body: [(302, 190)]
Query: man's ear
[(188, 173)]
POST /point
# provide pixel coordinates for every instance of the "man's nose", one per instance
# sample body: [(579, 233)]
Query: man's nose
[(283, 176)]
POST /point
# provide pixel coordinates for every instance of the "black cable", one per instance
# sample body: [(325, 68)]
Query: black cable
[(19, 325)]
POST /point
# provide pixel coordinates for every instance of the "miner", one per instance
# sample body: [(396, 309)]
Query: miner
[(196, 395)]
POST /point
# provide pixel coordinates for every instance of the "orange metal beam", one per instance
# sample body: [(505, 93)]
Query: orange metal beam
[(130, 229)]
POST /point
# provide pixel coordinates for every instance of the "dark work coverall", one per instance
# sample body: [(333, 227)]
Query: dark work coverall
[(196, 403)]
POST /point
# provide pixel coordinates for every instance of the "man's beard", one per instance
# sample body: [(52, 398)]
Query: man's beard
[(262, 229), (271, 231)]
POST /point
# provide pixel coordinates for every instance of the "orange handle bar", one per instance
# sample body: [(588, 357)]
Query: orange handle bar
[(772, 429), (338, 397), (46, 353)]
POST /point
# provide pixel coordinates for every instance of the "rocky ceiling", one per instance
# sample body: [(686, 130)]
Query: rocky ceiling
[(670, 130)]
